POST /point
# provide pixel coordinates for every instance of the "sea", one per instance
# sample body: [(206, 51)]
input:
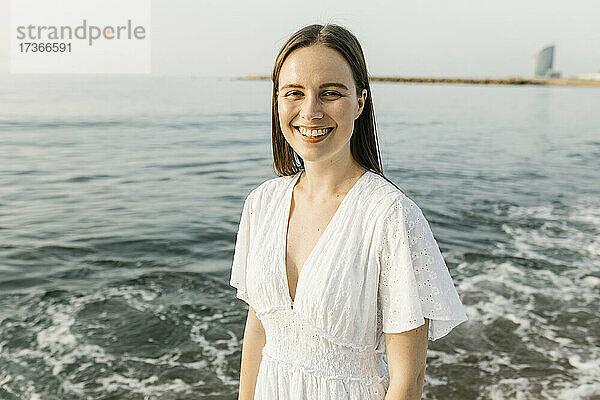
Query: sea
[(120, 198)]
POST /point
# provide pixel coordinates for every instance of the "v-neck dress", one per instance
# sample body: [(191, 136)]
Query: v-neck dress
[(375, 269)]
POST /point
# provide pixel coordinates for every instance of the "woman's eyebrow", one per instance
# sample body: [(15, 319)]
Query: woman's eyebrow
[(295, 85)]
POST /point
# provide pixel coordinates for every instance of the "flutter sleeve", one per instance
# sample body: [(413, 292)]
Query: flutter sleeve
[(240, 255), (414, 281)]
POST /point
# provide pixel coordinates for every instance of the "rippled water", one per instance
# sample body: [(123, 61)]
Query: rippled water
[(119, 204)]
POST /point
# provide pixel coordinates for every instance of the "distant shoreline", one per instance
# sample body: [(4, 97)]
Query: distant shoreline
[(469, 81)]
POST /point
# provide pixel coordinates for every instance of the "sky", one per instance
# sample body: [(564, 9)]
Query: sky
[(451, 38)]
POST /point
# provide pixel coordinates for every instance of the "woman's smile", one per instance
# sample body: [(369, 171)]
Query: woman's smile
[(313, 135)]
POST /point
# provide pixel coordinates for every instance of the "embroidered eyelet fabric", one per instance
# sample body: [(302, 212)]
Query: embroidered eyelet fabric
[(376, 269)]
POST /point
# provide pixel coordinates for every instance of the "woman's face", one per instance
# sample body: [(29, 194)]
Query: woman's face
[(316, 90)]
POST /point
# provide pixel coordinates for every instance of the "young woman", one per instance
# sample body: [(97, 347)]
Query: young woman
[(344, 280)]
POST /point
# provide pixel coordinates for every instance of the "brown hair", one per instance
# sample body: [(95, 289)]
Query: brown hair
[(363, 143)]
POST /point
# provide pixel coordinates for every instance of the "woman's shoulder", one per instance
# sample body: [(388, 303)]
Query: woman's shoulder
[(270, 187), (386, 197)]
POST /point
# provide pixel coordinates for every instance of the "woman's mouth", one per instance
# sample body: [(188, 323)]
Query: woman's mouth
[(313, 135)]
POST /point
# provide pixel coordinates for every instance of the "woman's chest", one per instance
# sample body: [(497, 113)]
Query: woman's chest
[(336, 287), (306, 228)]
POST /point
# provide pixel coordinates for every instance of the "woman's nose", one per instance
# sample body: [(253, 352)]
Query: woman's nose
[(311, 108)]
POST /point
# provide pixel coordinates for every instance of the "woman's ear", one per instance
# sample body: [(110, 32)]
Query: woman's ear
[(361, 103)]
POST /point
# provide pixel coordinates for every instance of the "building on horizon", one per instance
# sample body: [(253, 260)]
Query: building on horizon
[(543, 62)]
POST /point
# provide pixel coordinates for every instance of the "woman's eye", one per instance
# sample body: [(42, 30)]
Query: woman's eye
[(328, 93)]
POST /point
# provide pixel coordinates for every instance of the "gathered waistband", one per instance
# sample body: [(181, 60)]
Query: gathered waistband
[(292, 342)]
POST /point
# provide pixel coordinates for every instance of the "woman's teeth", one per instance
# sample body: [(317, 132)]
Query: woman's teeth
[(314, 132)]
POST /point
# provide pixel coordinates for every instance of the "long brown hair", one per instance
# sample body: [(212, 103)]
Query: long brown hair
[(363, 143)]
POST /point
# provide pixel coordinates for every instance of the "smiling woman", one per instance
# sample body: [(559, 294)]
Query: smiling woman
[(343, 278), (304, 99)]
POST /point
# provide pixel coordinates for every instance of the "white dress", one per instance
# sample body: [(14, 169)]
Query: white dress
[(376, 268)]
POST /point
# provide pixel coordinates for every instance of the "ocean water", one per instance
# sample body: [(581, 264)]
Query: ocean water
[(120, 199)]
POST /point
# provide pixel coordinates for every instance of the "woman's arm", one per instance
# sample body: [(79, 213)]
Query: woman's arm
[(407, 356), (253, 343)]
